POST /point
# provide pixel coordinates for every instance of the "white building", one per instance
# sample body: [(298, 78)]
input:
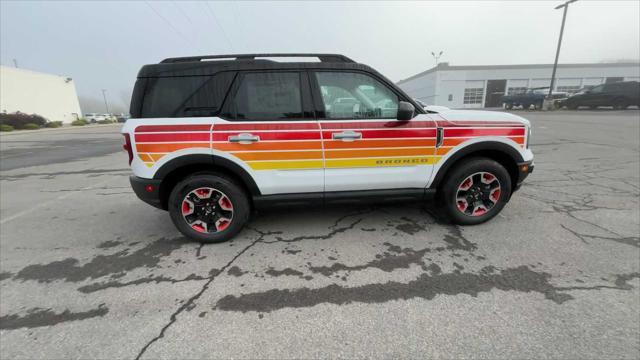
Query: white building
[(50, 96), (484, 86)]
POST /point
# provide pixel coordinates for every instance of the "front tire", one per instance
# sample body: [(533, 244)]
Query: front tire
[(208, 208), (475, 191)]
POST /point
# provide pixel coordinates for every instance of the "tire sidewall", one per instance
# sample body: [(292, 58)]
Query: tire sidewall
[(237, 196), (461, 172)]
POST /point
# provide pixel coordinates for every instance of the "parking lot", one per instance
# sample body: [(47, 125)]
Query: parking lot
[(88, 270)]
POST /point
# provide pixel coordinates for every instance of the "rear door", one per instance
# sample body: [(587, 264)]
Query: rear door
[(365, 147), (268, 127)]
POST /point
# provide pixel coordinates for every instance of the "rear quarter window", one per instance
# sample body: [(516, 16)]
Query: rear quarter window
[(184, 96)]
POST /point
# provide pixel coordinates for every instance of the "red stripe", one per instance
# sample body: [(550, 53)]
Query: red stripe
[(377, 125), (285, 135), (173, 128), (387, 134), (472, 123), (482, 132), (173, 137), (267, 126)]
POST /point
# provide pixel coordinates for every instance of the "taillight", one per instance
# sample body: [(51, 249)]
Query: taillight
[(127, 147)]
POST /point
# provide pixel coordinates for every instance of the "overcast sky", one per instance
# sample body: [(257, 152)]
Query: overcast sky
[(103, 44)]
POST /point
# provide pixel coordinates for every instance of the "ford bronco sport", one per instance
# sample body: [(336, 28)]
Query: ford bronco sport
[(211, 137)]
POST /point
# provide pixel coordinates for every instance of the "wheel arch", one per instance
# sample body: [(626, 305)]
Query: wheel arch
[(504, 154), (179, 168)]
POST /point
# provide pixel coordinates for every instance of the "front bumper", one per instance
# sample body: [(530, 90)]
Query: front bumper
[(524, 169), (147, 190)]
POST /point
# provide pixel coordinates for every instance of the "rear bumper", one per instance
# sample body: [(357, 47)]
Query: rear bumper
[(524, 169), (147, 190)]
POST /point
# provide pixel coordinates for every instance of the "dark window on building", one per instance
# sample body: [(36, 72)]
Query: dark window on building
[(268, 96), (185, 96)]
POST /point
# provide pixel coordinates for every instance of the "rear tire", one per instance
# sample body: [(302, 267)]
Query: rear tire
[(483, 198), (620, 104), (508, 106), (208, 208)]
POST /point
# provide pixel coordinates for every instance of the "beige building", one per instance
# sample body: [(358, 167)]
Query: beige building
[(51, 96)]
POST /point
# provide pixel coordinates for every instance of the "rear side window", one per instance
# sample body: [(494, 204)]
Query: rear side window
[(185, 96), (268, 96)]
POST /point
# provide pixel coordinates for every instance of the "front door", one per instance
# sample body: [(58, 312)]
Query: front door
[(365, 147)]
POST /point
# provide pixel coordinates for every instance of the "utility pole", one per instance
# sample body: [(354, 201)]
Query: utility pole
[(436, 57), (104, 96), (555, 63)]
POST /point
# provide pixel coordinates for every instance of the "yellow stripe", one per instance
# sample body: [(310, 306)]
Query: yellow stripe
[(275, 165), (378, 162)]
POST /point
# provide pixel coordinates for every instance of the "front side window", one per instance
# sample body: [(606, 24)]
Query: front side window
[(268, 96), (348, 95), (597, 89)]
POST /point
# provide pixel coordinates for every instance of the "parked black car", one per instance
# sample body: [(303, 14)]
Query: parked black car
[(533, 96), (620, 95)]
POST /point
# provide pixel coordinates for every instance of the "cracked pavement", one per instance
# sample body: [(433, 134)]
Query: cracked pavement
[(88, 270)]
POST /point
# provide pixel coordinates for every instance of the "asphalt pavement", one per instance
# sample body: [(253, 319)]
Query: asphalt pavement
[(89, 271)]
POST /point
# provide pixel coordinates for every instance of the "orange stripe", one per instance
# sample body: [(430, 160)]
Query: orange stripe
[(279, 155), (275, 145), (145, 157), (156, 157), (169, 147), (343, 154), (338, 144)]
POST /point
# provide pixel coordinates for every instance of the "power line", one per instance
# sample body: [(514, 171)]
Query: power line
[(183, 13), (215, 19), (170, 24)]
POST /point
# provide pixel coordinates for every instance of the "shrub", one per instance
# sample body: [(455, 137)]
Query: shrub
[(7, 128), (18, 120), (53, 124), (79, 122), (31, 126)]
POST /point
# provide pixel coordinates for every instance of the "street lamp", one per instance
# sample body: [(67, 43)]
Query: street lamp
[(104, 96), (437, 57), (555, 63)]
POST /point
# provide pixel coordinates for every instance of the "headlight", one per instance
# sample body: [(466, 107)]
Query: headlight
[(528, 136)]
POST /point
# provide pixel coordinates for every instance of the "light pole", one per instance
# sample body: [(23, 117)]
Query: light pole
[(104, 96), (555, 63), (437, 57)]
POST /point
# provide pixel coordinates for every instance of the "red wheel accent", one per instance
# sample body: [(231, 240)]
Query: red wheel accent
[(225, 203), (186, 208), (207, 210), (477, 194), (198, 228), (462, 205), (495, 195)]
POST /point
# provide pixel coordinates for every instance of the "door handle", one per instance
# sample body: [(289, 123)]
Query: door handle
[(346, 135), (244, 138)]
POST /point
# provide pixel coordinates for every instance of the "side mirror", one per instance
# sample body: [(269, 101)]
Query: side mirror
[(405, 111)]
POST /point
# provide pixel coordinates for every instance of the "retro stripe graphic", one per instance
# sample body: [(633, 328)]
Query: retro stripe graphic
[(309, 145)]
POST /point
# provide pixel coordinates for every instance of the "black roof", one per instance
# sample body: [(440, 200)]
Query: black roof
[(211, 64)]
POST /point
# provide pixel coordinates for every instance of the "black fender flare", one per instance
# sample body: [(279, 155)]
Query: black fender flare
[(212, 162), (478, 147)]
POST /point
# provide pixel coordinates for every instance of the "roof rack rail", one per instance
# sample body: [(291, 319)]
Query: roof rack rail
[(322, 57)]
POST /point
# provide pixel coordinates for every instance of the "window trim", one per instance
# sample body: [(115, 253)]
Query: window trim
[(227, 111), (319, 104)]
